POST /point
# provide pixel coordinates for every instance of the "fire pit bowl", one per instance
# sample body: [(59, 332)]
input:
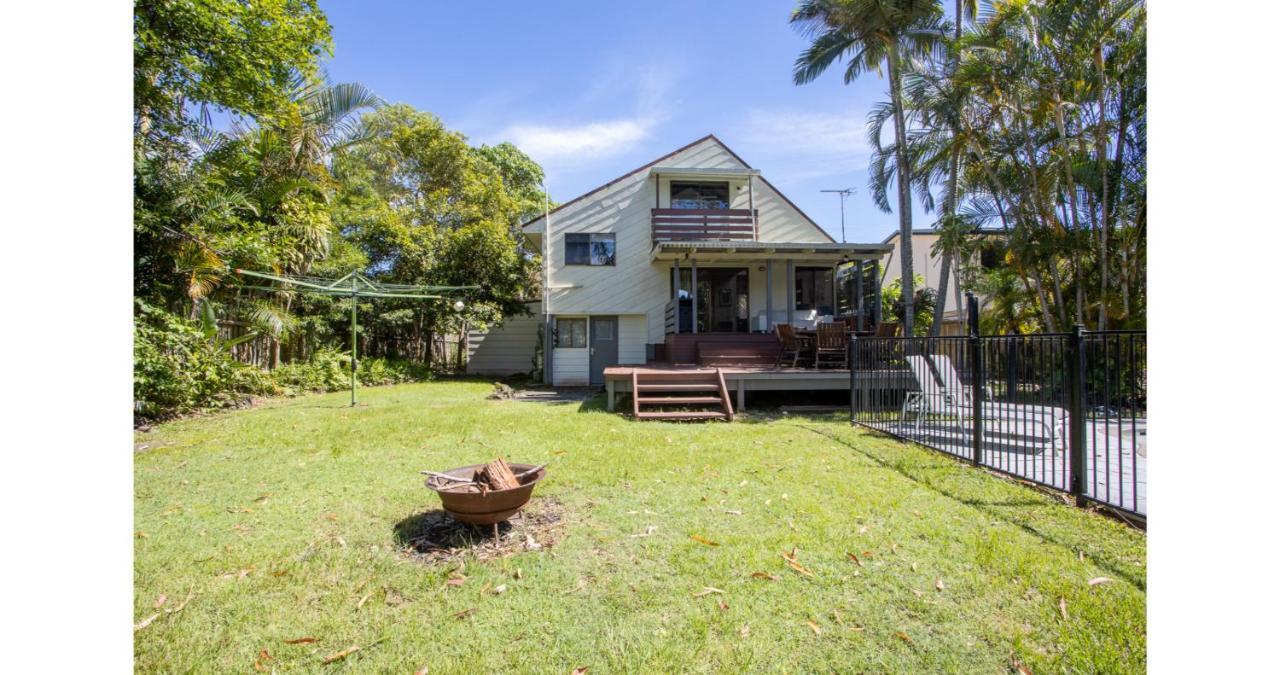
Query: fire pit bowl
[(489, 508)]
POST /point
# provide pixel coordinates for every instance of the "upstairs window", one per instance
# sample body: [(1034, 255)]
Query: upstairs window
[(690, 195), (582, 248)]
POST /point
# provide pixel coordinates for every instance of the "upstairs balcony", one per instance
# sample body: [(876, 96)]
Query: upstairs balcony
[(704, 224)]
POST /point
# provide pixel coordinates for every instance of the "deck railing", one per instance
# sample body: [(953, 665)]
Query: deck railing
[(1064, 410), (703, 224)]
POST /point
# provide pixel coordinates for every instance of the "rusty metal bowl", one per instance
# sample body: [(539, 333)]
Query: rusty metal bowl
[(490, 507)]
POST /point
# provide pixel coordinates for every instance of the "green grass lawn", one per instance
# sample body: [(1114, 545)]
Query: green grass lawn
[(279, 523)]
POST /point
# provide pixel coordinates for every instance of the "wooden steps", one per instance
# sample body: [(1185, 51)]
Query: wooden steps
[(653, 393), (684, 415), (679, 400), (679, 386)]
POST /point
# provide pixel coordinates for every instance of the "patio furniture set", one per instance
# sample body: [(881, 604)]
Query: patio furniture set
[(825, 345)]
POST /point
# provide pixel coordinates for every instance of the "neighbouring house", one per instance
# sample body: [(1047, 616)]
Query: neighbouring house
[(929, 265), (691, 253)]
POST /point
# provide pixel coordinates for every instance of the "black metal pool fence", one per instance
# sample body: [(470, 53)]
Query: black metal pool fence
[(1064, 410)]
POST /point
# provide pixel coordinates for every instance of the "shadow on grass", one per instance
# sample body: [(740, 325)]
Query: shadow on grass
[(436, 529), (1012, 512)]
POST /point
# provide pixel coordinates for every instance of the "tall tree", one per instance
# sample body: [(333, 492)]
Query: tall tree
[(873, 35)]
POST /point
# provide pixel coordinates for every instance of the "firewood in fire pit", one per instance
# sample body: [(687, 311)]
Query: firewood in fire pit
[(496, 475)]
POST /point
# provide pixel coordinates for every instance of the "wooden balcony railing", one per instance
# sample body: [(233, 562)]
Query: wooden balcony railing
[(704, 225)]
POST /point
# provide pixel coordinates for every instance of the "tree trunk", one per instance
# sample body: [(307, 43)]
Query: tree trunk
[(949, 211), (904, 193)]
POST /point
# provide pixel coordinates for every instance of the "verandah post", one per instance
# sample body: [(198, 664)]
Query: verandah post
[(853, 379), (1076, 366), (978, 377)]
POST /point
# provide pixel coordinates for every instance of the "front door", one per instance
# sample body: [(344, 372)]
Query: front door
[(604, 346)]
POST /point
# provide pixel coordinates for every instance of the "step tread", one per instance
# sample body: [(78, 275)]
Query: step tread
[(673, 400), (682, 386), (683, 415)]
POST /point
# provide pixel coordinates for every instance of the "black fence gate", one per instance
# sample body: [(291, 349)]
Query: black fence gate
[(1065, 410)]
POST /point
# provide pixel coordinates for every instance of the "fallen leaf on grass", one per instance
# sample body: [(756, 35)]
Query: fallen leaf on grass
[(701, 540), (519, 573), (1022, 670), (707, 590), (338, 656), (579, 670), (1100, 580), (183, 604), (500, 589), (940, 586), (854, 558), (261, 498), (422, 671), (465, 613), (364, 600), (1062, 608), (765, 575), (145, 622), (259, 663), (795, 564), (813, 626), (724, 607), (734, 512), (904, 637), (456, 581), (160, 601), (301, 641), (140, 534)]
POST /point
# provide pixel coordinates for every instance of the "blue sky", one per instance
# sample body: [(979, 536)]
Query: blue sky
[(592, 90)]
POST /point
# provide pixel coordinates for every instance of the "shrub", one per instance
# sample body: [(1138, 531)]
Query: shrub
[(177, 370), (330, 370)]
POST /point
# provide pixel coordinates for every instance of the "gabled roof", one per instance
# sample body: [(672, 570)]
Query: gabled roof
[(673, 153)]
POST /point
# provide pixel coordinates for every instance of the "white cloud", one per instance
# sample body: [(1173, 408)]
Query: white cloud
[(547, 143), (827, 143)]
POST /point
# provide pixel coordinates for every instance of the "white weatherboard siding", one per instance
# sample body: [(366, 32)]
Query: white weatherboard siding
[(505, 349), (634, 285), (633, 334), (569, 367)]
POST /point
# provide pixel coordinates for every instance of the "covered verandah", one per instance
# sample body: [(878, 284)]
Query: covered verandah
[(723, 289)]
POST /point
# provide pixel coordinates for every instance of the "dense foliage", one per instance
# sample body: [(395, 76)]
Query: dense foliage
[(1027, 117), (246, 157)]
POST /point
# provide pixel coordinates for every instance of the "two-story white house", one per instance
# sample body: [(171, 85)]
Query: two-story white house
[(693, 248)]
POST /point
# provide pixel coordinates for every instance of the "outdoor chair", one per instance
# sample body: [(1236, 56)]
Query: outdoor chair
[(888, 329), (791, 346), (941, 392), (832, 346)]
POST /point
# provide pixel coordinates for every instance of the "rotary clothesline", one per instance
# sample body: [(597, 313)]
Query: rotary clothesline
[(356, 286)]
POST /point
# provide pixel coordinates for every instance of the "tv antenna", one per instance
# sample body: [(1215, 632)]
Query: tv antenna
[(843, 193)]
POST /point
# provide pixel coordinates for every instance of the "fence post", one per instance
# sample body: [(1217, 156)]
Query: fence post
[(853, 380), (1076, 366), (978, 377)]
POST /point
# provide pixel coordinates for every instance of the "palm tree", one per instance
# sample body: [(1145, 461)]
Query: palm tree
[(872, 34), (964, 9)]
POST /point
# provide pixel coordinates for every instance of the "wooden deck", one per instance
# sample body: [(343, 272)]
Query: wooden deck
[(741, 379)]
